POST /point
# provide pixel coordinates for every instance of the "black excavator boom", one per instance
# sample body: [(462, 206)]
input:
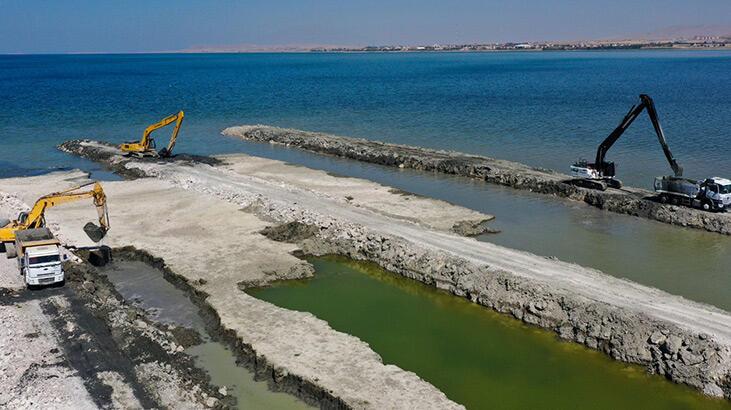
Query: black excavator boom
[(601, 173)]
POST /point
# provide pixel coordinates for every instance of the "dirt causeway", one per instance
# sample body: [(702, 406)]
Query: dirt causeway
[(628, 200)]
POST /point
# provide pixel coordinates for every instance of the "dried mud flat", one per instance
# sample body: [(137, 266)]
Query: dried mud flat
[(631, 201), (183, 215), (193, 237), (687, 342)]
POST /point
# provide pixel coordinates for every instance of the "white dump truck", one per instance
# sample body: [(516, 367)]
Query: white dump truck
[(712, 194), (39, 257)]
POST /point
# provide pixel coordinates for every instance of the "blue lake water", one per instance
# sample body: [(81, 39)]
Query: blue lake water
[(545, 109), (541, 108)]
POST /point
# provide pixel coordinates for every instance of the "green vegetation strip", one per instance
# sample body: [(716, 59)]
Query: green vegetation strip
[(475, 356)]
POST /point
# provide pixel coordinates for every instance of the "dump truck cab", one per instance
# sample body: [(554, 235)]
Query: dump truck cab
[(39, 257), (718, 190)]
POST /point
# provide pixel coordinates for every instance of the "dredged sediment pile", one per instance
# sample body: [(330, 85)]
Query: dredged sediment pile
[(629, 200), (685, 341)]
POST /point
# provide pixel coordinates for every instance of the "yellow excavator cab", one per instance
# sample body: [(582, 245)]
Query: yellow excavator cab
[(146, 146)]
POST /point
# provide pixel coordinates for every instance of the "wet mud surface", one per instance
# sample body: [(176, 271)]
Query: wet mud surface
[(101, 333)]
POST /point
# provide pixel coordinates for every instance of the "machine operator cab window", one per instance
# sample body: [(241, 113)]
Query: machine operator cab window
[(38, 260)]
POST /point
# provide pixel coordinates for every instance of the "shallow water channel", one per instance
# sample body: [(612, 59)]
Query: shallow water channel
[(476, 356), (145, 287), (687, 262)]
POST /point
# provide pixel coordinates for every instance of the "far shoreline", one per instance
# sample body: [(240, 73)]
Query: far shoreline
[(521, 51)]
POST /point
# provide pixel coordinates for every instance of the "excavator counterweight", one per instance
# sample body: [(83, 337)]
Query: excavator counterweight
[(146, 146)]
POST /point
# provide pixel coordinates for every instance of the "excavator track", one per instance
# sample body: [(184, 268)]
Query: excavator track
[(589, 183)]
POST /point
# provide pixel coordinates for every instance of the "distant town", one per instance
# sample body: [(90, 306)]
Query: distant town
[(698, 42)]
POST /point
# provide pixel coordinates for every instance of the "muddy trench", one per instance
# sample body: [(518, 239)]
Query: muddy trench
[(102, 333), (276, 379)]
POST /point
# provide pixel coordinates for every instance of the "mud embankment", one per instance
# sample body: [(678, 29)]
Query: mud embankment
[(686, 342), (630, 201), (109, 155)]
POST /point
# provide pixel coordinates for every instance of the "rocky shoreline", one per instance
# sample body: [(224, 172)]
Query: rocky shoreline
[(677, 354), (630, 201)]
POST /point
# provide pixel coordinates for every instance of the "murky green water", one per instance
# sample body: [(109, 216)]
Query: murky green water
[(220, 363), (477, 357), (144, 286)]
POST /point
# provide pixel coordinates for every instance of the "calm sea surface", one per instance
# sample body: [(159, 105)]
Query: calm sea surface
[(541, 108), (544, 109)]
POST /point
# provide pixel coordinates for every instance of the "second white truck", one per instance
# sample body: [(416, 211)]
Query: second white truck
[(712, 194)]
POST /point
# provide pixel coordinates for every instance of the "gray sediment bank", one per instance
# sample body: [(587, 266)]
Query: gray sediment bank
[(631, 201), (684, 341), (216, 248)]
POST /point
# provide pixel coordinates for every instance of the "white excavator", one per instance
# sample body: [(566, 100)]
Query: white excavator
[(600, 174), (709, 194)]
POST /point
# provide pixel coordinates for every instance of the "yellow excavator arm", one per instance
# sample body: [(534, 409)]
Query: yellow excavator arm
[(146, 146), (35, 218)]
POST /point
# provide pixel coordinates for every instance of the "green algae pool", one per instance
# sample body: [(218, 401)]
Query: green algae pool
[(477, 357)]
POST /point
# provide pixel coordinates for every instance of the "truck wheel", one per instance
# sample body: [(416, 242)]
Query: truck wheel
[(674, 201), (706, 206), (663, 199)]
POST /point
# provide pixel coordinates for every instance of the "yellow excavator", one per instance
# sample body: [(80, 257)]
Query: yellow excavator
[(146, 146), (36, 218)]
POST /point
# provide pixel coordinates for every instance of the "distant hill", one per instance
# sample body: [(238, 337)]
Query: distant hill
[(708, 33), (686, 32)]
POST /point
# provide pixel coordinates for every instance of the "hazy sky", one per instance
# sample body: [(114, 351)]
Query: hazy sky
[(38, 26)]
